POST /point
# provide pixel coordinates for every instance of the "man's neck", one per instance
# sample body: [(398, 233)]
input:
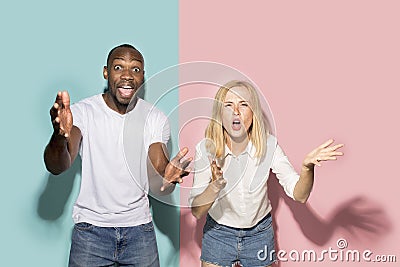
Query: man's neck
[(113, 104)]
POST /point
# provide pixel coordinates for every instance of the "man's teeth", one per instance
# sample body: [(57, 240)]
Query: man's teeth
[(126, 91)]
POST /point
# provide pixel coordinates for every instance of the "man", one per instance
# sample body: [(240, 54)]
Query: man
[(112, 218)]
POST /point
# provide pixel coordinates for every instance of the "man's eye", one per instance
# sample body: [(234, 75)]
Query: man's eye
[(117, 67), (136, 69)]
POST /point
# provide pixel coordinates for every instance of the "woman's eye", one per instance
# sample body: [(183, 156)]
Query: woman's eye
[(136, 69)]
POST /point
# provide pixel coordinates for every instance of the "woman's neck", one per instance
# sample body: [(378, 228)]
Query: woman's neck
[(237, 146)]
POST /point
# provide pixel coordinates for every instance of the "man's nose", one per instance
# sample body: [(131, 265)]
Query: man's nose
[(127, 75)]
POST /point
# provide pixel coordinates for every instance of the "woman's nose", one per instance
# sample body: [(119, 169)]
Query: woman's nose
[(236, 110)]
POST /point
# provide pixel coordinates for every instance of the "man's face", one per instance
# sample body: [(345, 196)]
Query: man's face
[(125, 74)]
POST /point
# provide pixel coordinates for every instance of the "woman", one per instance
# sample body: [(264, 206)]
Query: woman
[(230, 180)]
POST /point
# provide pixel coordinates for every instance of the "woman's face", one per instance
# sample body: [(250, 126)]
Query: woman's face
[(237, 115)]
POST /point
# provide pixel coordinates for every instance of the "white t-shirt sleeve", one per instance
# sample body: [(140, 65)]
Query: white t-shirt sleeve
[(159, 127), (78, 116), (284, 171)]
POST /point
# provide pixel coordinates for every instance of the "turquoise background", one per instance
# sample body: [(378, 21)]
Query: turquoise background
[(62, 45)]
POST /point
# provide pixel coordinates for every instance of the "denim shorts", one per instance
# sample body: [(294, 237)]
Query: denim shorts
[(104, 246), (223, 245)]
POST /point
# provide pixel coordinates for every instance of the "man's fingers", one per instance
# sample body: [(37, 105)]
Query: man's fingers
[(176, 161), (54, 111), (58, 97), (185, 173), (186, 163), (65, 99), (181, 154), (62, 100)]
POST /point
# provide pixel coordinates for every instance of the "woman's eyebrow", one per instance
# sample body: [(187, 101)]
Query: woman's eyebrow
[(241, 101)]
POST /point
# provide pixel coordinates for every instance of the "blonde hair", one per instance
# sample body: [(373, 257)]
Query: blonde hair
[(258, 131)]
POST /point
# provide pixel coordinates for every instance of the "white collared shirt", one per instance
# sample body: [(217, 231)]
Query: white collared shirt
[(244, 200)]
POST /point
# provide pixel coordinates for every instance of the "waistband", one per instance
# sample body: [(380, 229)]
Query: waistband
[(266, 217)]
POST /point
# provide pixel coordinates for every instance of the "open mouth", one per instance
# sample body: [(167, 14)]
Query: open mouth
[(236, 125), (126, 91)]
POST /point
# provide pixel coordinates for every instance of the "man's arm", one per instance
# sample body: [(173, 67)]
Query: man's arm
[(164, 174), (63, 146)]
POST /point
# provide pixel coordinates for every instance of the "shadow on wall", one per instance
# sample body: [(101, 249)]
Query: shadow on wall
[(52, 201), (360, 217), (166, 218)]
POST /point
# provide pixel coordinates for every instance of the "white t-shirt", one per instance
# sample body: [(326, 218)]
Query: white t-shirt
[(113, 149), (244, 200)]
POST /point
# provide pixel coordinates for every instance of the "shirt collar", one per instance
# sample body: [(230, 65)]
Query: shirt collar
[(250, 150)]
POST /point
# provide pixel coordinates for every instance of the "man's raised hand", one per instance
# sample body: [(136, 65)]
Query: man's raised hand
[(61, 115), (177, 168)]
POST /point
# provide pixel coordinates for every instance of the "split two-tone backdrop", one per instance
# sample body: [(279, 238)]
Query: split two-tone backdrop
[(328, 69)]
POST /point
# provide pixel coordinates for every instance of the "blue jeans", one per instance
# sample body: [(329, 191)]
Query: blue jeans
[(104, 246), (253, 247)]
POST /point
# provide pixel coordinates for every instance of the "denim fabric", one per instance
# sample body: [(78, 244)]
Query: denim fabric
[(105, 246), (223, 245)]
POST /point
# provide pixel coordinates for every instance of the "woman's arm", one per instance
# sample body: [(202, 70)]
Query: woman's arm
[(203, 202), (305, 183)]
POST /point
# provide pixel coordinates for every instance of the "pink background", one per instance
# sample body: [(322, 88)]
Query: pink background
[(329, 69)]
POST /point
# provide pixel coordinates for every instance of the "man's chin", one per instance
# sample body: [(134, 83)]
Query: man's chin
[(124, 101)]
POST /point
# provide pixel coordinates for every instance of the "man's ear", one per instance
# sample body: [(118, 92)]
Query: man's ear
[(105, 72)]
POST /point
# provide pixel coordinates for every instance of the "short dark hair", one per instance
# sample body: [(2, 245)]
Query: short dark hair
[(122, 45)]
